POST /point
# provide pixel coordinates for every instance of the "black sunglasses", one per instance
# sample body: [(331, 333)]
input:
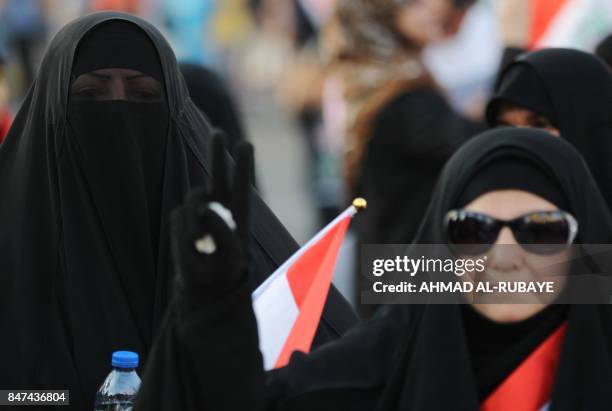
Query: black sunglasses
[(540, 232)]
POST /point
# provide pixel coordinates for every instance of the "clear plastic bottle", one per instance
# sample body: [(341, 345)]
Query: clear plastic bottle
[(119, 389)]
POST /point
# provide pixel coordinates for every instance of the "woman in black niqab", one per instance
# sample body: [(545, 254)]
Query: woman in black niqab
[(572, 91), (90, 175), (414, 357)]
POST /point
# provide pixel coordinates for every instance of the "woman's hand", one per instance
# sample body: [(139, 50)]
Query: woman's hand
[(210, 231)]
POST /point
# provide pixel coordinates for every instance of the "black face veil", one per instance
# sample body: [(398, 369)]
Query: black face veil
[(87, 190), (121, 142), (574, 90)]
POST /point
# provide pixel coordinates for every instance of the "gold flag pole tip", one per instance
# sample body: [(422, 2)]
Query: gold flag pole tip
[(360, 203)]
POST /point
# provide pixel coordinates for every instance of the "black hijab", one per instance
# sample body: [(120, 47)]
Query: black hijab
[(90, 185), (436, 352), (574, 90), (496, 349)]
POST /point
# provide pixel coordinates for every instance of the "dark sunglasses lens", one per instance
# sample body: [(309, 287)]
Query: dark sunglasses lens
[(543, 233), (472, 235)]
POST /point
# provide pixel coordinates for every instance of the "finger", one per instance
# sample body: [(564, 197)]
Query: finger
[(243, 181), (215, 236), (216, 255), (220, 184), (195, 202)]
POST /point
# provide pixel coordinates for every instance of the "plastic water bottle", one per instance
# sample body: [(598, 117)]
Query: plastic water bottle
[(119, 389)]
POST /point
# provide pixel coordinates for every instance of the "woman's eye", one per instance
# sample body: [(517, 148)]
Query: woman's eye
[(89, 93), (541, 122), (145, 94)]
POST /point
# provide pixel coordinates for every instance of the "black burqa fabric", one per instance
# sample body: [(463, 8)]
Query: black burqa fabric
[(413, 357), (80, 275), (212, 95), (574, 90)]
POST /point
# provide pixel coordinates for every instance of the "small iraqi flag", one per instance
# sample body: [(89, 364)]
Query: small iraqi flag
[(288, 305), (568, 23)]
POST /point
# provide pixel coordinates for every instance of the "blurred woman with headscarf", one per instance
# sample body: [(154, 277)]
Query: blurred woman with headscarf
[(564, 92), (400, 129), (106, 144)]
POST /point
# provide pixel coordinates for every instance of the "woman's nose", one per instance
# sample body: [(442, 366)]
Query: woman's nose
[(117, 89), (506, 253), (506, 237)]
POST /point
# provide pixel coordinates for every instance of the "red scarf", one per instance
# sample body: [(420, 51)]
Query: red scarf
[(529, 387)]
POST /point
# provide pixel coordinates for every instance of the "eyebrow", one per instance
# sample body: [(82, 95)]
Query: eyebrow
[(101, 76), (107, 77), (137, 76)]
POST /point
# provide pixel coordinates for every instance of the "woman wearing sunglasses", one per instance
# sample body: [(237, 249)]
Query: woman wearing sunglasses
[(510, 188)]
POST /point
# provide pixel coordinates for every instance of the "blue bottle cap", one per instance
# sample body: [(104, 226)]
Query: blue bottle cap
[(125, 359)]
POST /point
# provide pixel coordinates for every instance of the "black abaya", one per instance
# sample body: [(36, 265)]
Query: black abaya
[(413, 136), (412, 357), (83, 273)]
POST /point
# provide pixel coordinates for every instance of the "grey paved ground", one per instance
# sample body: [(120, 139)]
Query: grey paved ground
[(280, 156)]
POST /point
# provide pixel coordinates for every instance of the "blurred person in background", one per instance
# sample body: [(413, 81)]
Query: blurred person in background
[(400, 128), (25, 28), (190, 24), (567, 93), (300, 90), (212, 95)]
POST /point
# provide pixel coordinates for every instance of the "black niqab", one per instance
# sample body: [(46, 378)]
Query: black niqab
[(574, 90), (79, 275), (117, 44), (122, 143)]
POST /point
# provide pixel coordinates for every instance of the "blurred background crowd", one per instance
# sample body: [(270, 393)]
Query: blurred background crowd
[(307, 80)]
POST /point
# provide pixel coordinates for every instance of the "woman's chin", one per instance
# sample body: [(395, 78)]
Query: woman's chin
[(508, 313)]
